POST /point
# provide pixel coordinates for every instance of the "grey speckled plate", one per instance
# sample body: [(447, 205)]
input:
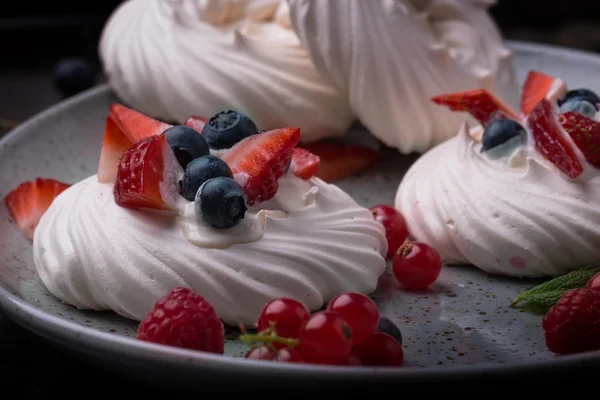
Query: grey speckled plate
[(462, 326)]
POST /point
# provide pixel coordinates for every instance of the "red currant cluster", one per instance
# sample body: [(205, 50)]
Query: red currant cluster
[(415, 265), (345, 333)]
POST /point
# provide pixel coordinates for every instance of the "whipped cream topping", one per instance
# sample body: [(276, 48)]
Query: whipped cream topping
[(318, 65), (311, 242), (171, 59), (514, 215), (390, 57)]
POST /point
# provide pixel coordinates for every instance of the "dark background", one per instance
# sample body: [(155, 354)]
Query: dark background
[(34, 38)]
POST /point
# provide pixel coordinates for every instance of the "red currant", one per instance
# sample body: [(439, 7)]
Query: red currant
[(288, 315), (594, 282), (359, 311), (325, 339), (260, 353), (394, 223), (288, 354), (379, 350), (416, 265)]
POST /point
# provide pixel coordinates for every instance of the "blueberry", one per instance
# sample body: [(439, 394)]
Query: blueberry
[(500, 131), (199, 171), (73, 75), (187, 144), (221, 202), (581, 94), (226, 128), (387, 326), (580, 106)]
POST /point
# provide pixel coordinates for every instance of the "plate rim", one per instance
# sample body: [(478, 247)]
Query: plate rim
[(89, 340)]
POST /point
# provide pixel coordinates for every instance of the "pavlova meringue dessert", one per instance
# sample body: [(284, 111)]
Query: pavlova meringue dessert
[(517, 195), (233, 213), (315, 64)]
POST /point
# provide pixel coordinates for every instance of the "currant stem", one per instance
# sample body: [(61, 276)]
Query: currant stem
[(267, 337)]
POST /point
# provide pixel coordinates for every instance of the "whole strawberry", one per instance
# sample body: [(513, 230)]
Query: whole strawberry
[(572, 325), (183, 318)]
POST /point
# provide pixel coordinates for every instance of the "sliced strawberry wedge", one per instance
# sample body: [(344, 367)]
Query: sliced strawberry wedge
[(339, 160), (124, 127), (540, 86), (552, 141), (585, 132), (480, 103), (30, 200), (196, 123), (304, 164), (115, 142), (136, 125), (258, 161), (147, 176)]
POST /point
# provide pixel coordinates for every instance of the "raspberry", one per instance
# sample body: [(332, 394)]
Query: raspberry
[(183, 318), (572, 325)]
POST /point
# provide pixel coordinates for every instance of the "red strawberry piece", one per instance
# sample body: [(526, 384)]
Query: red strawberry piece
[(540, 86), (185, 319), (147, 176), (196, 123), (480, 103), (115, 142), (124, 126), (30, 200), (305, 164), (258, 161), (134, 124), (572, 325), (585, 132), (552, 141), (340, 160)]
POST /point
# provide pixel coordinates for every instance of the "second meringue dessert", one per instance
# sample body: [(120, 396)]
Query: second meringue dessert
[(315, 64), (517, 195), (234, 213)]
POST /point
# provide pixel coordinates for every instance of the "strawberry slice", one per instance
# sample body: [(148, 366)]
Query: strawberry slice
[(147, 176), (258, 161), (136, 125), (585, 132), (304, 164), (552, 141), (540, 86), (340, 160), (480, 103), (196, 123), (115, 142), (30, 200), (124, 126)]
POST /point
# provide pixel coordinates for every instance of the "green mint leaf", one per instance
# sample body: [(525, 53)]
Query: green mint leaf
[(540, 303), (546, 294), (535, 308)]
